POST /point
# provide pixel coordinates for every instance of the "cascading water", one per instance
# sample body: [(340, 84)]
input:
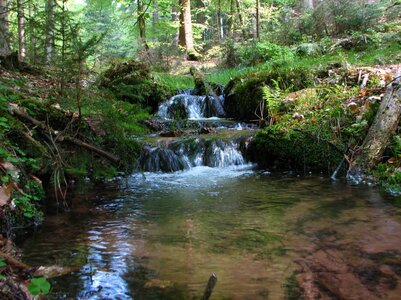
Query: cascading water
[(167, 155), (186, 106), (188, 153)]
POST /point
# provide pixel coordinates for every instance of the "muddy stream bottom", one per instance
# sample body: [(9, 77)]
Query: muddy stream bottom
[(160, 236)]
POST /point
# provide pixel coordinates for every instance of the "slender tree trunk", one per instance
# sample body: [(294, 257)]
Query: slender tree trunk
[(241, 19), (142, 23), (63, 33), (185, 32), (232, 17), (50, 34), (32, 36), (5, 49), (174, 18), (257, 20), (220, 21), (201, 15), (155, 15), (21, 30)]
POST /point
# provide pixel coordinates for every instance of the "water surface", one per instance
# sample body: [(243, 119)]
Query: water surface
[(160, 236)]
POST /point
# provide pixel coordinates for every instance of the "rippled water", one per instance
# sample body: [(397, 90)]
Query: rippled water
[(160, 236)]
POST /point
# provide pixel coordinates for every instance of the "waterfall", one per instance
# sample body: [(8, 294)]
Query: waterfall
[(188, 153), (209, 149), (186, 106)]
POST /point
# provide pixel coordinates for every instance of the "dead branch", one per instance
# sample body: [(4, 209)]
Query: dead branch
[(21, 113), (13, 262)]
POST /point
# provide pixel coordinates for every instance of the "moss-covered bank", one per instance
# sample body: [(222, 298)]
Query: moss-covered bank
[(61, 147), (132, 81)]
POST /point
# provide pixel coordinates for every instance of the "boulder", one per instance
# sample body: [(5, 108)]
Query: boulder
[(132, 81)]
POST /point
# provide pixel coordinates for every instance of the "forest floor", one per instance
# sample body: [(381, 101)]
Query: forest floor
[(339, 105)]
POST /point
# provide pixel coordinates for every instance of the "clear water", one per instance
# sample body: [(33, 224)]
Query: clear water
[(160, 236)]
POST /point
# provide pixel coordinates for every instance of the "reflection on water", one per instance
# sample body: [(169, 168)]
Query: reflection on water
[(160, 236)]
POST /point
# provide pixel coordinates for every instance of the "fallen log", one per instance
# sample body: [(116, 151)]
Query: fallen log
[(14, 109), (380, 132)]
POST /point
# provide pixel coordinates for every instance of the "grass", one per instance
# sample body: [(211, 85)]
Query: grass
[(371, 56), (387, 54), (174, 82)]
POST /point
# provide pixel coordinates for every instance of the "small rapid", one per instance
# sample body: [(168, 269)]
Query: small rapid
[(195, 149), (185, 106), (193, 152)]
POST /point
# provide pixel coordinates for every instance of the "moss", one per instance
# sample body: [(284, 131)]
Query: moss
[(132, 81), (243, 94), (292, 290), (294, 150)]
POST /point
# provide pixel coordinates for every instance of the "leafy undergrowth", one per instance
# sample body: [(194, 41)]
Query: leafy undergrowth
[(309, 129), (389, 53), (55, 151)]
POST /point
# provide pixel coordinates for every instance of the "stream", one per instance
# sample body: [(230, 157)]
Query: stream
[(199, 207)]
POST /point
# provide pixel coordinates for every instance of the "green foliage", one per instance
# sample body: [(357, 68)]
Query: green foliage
[(39, 286), (292, 290), (294, 149), (131, 81), (248, 54), (244, 93), (273, 96)]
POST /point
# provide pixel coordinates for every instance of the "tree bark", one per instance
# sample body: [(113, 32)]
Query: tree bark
[(220, 21), (21, 30), (5, 49), (185, 31), (383, 127), (257, 17), (240, 17), (232, 17), (32, 33), (50, 34)]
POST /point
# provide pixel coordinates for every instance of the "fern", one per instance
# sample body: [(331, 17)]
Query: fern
[(273, 96)]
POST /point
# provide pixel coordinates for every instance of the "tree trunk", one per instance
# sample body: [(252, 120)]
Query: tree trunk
[(32, 35), (174, 18), (5, 49), (232, 17), (220, 21), (21, 30), (241, 19), (201, 16), (185, 31), (50, 34), (142, 24), (379, 135), (308, 4), (257, 17), (155, 15)]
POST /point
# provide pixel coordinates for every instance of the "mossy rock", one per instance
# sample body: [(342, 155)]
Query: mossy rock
[(244, 94), (291, 149), (132, 81)]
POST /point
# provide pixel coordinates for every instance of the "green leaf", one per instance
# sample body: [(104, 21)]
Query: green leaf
[(39, 286), (2, 263)]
